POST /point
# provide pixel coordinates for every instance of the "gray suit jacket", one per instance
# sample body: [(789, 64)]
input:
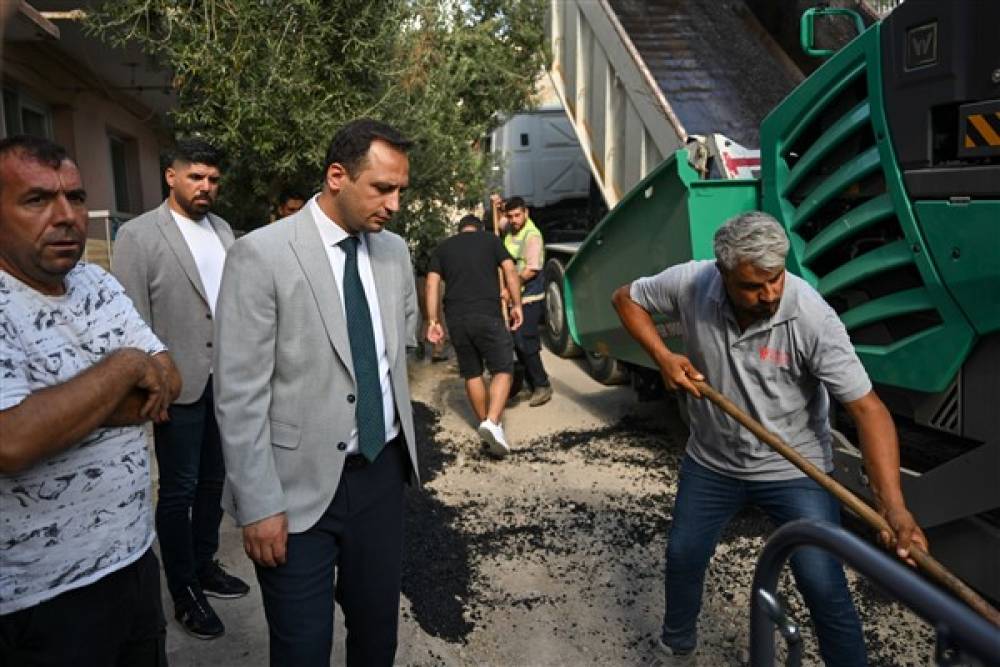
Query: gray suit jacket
[(284, 379), (152, 261)]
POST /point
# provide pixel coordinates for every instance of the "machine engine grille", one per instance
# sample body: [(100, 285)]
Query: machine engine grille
[(846, 225)]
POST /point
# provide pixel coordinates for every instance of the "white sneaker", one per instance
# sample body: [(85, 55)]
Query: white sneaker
[(492, 435)]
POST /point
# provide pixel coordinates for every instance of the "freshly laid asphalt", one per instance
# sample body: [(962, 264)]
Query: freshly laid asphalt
[(554, 555)]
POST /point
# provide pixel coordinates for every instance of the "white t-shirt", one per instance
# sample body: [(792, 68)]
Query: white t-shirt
[(208, 252), (87, 511)]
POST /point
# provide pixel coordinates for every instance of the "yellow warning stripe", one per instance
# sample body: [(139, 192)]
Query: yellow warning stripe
[(980, 123)]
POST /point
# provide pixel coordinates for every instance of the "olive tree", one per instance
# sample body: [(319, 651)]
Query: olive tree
[(269, 81)]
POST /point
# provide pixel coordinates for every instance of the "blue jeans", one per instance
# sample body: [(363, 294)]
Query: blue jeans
[(192, 472), (706, 501)]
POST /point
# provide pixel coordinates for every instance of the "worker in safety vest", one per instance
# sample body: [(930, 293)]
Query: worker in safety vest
[(525, 245)]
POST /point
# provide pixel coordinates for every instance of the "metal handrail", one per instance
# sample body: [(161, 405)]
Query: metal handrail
[(956, 624)]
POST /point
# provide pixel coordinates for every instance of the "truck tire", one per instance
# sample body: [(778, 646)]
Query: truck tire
[(605, 369), (556, 330)]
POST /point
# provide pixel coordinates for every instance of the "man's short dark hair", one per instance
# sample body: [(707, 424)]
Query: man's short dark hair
[(349, 146), (514, 202), (469, 221), (36, 149), (193, 150), (290, 194)]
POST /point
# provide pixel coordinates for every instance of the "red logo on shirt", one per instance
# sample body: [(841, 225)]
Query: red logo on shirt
[(777, 357)]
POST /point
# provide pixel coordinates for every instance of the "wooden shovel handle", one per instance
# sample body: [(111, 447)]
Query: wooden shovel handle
[(924, 560), (504, 313)]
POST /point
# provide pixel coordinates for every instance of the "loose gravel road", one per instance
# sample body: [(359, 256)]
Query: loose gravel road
[(554, 555)]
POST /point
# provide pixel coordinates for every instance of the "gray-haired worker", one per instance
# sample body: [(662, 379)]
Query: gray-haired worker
[(768, 341)]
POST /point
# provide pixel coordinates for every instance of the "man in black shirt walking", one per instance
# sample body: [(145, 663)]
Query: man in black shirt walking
[(468, 263)]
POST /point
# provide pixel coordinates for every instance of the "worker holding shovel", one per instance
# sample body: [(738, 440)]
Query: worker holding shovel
[(769, 341)]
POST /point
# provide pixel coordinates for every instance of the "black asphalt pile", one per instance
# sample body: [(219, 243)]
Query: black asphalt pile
[(554, 555), (717, 75), (437, 568)]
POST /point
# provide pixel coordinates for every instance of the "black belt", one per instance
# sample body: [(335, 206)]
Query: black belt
[(358, 461)]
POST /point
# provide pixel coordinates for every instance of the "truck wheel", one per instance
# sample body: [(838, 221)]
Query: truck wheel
[(556, 330), (605, 369)]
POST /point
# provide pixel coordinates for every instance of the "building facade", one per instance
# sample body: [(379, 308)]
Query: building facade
[(106, 106)]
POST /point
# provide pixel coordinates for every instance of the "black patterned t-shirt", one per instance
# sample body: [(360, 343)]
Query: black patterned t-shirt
[(73, 518)]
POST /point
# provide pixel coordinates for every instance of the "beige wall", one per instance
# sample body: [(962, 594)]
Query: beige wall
[(91, 124), (83, 113)]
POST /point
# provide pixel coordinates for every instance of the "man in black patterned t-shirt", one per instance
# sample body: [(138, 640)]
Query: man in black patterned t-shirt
[(80, 372)]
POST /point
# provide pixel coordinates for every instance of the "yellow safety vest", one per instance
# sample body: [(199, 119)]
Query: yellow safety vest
[(515, 244)]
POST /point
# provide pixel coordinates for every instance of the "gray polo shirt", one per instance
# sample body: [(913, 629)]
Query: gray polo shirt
[(778, 371)]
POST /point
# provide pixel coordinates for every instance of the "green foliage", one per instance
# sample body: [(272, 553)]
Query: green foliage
[(269, 81)]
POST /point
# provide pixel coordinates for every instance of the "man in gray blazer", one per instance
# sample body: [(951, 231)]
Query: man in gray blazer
[(315, 314), (170, 262)]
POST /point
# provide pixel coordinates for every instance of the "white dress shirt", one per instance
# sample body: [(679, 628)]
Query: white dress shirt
[(208, 252), (332, 234)]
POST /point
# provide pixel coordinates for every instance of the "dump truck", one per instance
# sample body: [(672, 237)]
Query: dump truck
[(883, 165), (640, 81), (535, 155)]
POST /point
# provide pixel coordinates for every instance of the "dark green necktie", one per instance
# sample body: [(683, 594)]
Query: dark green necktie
[(368, 410)]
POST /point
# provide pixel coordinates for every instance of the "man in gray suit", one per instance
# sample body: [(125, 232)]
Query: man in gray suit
[(170, 262), (315, 314)]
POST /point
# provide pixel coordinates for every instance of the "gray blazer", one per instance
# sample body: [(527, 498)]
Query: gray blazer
[(154, 265), (284, 379)]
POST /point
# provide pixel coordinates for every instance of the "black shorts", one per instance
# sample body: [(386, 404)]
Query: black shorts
[(479, 337)]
